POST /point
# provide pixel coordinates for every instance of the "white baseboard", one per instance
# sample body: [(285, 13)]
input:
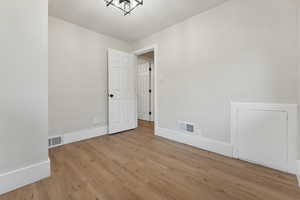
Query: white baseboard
[(199, 141), (80, 135), (84, 134), (18, 178)]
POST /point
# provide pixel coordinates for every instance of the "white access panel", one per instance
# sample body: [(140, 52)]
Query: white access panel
[(262, 137)]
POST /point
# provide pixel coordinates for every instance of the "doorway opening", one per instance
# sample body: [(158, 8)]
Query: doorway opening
[(146, 89), (132, 89)]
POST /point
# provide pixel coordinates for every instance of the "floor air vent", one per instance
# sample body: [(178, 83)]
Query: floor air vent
[(55, 141)]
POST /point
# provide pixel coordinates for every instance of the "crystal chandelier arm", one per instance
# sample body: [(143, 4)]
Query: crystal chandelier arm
[(125, 13), (109, 3), (126, 7), (139, 2), (112, 3)]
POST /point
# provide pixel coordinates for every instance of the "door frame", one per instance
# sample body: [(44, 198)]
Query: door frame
[(141, 51)]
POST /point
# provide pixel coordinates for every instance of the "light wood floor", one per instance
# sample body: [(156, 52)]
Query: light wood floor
[(146, 124), (138, 165)]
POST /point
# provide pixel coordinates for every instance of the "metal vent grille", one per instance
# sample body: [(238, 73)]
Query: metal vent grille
[(186, 126), (190, 128), (55, 141)]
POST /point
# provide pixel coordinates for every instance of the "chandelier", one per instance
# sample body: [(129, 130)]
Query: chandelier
[(126, 6)]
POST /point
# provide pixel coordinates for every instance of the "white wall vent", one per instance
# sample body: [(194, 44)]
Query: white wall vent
[(186, 127), (55, 141)]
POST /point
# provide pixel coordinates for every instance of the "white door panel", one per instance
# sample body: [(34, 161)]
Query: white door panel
[(262, 137), (143, 92), (152, 79), (122, 91)]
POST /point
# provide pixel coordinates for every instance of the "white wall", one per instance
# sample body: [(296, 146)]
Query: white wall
[(23, 84), (77, 77), (238, 51)]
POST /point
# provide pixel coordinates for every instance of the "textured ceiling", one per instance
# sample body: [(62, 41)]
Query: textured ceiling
[(152, 17)]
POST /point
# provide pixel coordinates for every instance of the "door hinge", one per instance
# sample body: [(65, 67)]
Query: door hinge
[(150, 113), (150, 91), (150, 69)]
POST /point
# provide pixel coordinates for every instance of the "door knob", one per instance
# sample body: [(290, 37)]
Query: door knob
[(111, 96)]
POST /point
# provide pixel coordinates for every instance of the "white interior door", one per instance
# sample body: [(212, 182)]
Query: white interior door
[(144, 96), (152, 100), (122, 111)]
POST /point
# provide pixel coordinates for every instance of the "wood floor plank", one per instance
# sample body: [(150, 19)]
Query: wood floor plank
[(137, 165)]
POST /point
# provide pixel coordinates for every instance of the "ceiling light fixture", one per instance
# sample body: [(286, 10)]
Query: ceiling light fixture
[(126, 6)]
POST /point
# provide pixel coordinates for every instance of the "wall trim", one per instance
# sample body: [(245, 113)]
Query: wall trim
[(198, 141), (292, 131), (84, 134), (145, 49), (298, 174), (80, 135), (18, 178)]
